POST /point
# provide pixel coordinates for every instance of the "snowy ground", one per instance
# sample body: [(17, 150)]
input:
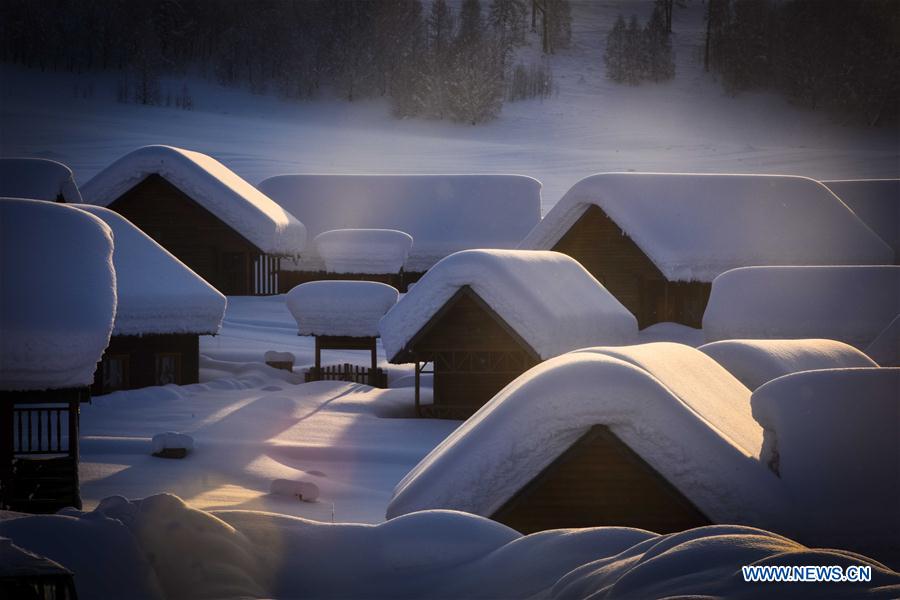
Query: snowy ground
[(253, 424), (591, 125)]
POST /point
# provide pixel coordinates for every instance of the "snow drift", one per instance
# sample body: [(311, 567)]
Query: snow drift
[(37, 179), (212, 185), (443, 213), (849, 304), (673, 405), (58, 297), (363, 250), (754, 362), (834, 438), (157, 293), (549, 299), (160, 547), (350, 308), (695, 227)]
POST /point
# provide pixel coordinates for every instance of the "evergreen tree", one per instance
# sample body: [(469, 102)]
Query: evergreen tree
[(658, 48), (615, 55), (507, 17)]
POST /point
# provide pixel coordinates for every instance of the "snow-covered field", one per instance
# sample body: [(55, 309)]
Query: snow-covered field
[(590, 126)]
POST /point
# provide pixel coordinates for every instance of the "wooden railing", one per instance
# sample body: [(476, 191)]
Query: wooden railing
[(42, 430), (350, 373)]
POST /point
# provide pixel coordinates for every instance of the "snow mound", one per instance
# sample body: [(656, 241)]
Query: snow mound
[(885, 349), (275, 356), (876, 202), (695, 227), (213, 186), (248, 554), (363, 250), (37, 179), (754, 362), (673, 405), (340, 308), (834, 438), (58, 297), (671, 332), (304, 490), (172, 440), (850, 304), (157, 292), (443, 213), (549, 299)]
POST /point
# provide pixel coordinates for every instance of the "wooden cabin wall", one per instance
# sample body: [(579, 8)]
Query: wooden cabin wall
[(474, 354), (601, 246), (145, 356), (198, 238), (599, 481)]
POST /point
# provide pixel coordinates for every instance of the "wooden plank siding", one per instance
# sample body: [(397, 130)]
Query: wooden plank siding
[(600, 245), (599, 481), (144, 359), (198, 238), (474, 353)]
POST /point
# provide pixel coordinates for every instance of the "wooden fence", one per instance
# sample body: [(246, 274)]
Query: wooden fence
[(350, 373)]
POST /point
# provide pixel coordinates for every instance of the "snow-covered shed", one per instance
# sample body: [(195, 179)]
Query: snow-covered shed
[(655, 436), (877, 203), (755, 362), (363, 251), (833, 438), (844, 303), (163, 309), (220, 226), (443, 213), (55, 323), (342, 315), (483, 317), (38, 179), (657, 240)]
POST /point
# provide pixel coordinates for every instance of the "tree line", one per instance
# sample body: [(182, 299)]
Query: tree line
[(635, 53), (439, 62)]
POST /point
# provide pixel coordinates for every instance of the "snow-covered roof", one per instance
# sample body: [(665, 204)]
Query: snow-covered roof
[(157, 293), (885, 349), (213, 186), (363, 250), (755, 362), (38, 179), (443, 213), (16, 562), (340, 308), (849, 304), (549, 299), (694, 227), (834, 438), (876, 202), (58, 296), (673, 405)]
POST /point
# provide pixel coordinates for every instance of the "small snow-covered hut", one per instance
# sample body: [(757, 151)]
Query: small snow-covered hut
[(844, 303), (483, 317), (443, 213), (368, 254), (657, 241), (342, 315), (163, 309), (55, 323), (877, 203), (755, 362), (216, 223), (655, 436), (38, 179)]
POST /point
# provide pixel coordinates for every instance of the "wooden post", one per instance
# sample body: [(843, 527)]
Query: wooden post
[(7, 449), (418, 382), (318, 354), (374, 355)]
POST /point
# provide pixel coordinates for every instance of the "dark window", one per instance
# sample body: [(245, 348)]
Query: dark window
[(115, 372), (168, 368)]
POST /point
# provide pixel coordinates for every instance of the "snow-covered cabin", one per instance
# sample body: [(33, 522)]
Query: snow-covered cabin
[(844, 303), (38, 179), (755, 362), (483, 317), (877, 203), (443, 213), (220, 226), (342, 315), (656, 241), (655, 436), (163, 309), (55, 323)]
